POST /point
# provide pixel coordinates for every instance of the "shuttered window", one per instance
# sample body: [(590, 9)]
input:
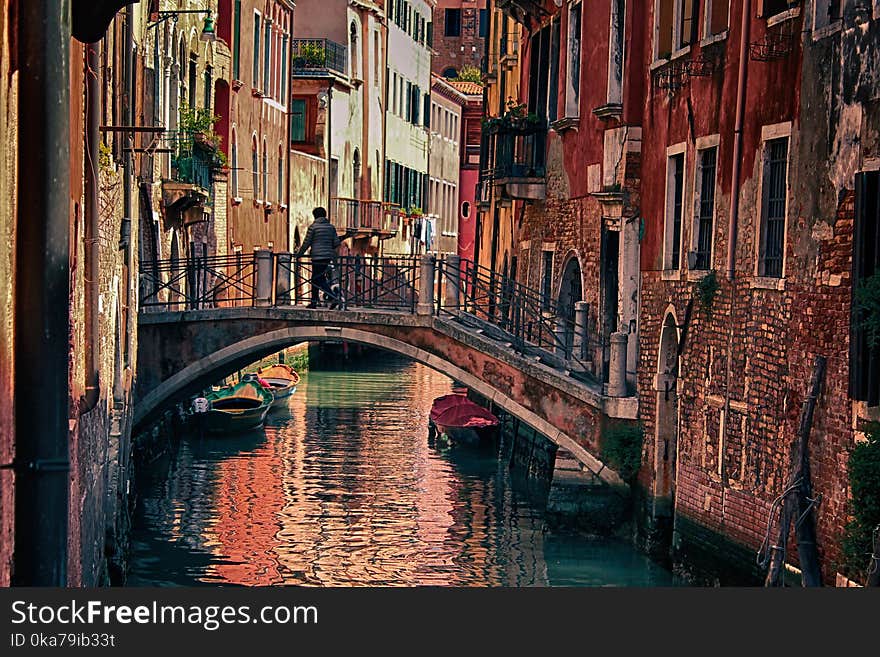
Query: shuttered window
[(298, 120), (865, 357)]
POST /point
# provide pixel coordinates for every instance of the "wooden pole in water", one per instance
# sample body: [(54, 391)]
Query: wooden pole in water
[(797, 501)]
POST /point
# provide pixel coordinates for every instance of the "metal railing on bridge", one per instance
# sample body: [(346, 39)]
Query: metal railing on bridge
[(515, 315)]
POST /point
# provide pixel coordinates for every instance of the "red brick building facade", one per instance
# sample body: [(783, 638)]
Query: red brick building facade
[(713, 205), (459, 34)]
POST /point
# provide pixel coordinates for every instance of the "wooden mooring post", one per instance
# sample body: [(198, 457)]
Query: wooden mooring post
[(797, 501)]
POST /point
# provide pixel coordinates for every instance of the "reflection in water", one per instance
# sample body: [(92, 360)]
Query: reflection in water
[(341, 488)]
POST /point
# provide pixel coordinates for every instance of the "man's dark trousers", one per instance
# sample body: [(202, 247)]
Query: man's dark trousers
[(319, 281)]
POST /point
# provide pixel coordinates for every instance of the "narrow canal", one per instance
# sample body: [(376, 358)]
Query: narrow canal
[(342, 488)]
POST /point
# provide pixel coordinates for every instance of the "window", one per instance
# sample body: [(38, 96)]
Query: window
[(298, 120), (573, 70), (864, 358), (705, 207), (193, 77), (616, 54), (774, 192), (450, 73), (452, 22), (280, 176), (236, 52), (376, 58), (717, 17), (209, 83), (769, 8), (265, 171), (687, 31), (663, 28), (484, 23), (553, 104), (255, 169), (408, 102), (353, 49), (674, 198), (267, 50), (283, 98), (826, 12), (257, 35), (547, 279), (234, 172)]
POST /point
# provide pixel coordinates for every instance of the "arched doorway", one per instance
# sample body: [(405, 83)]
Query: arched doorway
[(570, 292), (666, 417)]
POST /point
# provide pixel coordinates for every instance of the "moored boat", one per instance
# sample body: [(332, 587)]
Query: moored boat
[(460, 420), (240, 407), (282, 380)]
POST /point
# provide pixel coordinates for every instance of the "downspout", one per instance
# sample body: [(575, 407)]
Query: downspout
[(125, 228), (737, 139), (289, 105), (42, 295), (92, 230)]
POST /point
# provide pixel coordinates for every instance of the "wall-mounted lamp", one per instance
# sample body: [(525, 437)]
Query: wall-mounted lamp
[(208, 31)]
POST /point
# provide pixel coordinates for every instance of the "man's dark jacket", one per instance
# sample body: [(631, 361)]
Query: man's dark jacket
[(322, 238)]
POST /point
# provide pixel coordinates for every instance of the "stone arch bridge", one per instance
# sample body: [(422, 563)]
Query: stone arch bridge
[(184, 346)]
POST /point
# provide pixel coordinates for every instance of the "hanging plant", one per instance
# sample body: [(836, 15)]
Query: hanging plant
[(705, 291)]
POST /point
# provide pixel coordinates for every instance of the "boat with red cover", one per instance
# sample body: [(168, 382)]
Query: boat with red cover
[(460, 420)]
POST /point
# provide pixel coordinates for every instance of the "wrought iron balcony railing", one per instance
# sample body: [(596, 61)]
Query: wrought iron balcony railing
[(319, 57), (515, 150), (192, 158)]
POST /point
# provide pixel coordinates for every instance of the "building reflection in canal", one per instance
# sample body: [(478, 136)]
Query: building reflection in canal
[(342, 488)]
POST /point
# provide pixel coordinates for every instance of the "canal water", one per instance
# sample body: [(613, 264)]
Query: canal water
[(342, 488)]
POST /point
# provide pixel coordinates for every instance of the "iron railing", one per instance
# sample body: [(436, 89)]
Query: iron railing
[(531, 322), (389, 283), (198, 282), (192, 160), (319, 56), (501, 308), (515, 151)]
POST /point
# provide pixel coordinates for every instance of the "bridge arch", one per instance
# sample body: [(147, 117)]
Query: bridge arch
[(200, 373)]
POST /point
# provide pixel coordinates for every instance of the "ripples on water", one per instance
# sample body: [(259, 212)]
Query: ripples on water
[(341, 488)]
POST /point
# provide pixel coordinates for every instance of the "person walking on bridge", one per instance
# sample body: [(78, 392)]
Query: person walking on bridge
[(322, 241)]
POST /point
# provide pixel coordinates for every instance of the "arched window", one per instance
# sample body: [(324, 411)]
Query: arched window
[(354, 50), (234, 156), (280, 175), (450, 73), (356, 172), (265, 171), (255, 167)]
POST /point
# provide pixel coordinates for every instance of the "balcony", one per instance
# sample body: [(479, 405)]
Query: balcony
[(319, 57), (364, 218), (521, 10), (193, 160), (516, 157)]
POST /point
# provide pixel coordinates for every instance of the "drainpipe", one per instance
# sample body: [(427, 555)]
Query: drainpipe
[(384, 96), (91, 232), (737, 138), (125, 228), (42, 295)]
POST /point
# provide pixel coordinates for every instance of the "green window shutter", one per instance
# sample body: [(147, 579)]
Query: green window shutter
[(298, 120)]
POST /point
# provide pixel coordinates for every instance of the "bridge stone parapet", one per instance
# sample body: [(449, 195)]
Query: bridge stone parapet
[(183, 352)]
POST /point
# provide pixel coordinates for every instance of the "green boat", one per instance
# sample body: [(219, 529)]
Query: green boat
[(240, 407)]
